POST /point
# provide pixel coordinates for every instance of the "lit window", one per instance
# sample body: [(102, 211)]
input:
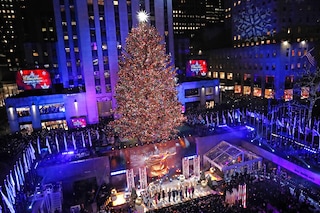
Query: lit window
[(115, 3), (222, 75)]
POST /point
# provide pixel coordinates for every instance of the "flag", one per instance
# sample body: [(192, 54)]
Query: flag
[(17, 177), (83, 141), (28, 157), (89, 138), (299, 128), (32, 151), (288, 128), (8, 203), (201, 119), (310, 58), (207, 120), (97, 133), (9, 192), (57, 143), (38, 145), (223, 119), (65, 142), (25, 163), (217, 114), (230, 117), (13, 184), (307, 130), (279, 123), (315, 132), (21, 170), (48, 145), (73, 142)]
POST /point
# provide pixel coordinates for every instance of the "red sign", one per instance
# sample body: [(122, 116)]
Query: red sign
[(196, 68), (33, 79)]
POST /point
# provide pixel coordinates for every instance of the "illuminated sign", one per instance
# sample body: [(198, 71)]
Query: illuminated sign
[(33, 79), (196, 68), (78, 122)]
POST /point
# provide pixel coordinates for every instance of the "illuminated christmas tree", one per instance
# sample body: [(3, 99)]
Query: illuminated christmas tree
[(147, 106)]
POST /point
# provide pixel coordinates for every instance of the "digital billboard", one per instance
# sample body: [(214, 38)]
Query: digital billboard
[(196, 68), (79, 122), (33, 79)]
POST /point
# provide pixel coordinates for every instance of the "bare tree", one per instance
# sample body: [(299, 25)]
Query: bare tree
[(309, 82)]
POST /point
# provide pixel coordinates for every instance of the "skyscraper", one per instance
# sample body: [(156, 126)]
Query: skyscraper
[(189, 17), (11, 53), (90, 37)]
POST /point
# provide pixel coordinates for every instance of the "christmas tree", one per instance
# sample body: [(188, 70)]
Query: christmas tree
[(147, 106)]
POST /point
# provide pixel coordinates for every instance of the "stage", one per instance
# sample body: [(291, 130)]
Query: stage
[(146, 203)]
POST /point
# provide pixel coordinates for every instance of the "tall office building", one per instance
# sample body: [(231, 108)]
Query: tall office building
[(40, 37), (189, 17), (271, 39), (90, 38), (27, 41), (11, 31)]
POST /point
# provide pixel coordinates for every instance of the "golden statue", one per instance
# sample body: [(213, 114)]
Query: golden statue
[(157, 164)]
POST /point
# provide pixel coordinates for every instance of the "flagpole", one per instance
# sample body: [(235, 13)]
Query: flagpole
[(3, 202)]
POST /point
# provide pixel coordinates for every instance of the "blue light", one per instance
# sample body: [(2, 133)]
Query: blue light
[(250, 128), (191, 157), (118, 172), (68, 153)]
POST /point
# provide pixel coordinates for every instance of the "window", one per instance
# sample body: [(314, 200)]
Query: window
[(52, 108), (209, 90), (230, 76), (23, 111), (191, 92), (222, 75)]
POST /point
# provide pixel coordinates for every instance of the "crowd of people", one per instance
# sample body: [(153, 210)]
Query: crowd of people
[(13, 145), (276, 198)]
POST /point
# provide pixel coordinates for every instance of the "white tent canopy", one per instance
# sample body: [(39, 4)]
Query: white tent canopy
[(226, 156)]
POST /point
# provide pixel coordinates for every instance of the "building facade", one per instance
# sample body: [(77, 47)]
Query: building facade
[(271, 41), (189, 17), (90, 36)]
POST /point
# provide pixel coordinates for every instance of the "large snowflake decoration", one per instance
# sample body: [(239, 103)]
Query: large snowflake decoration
[(253, 23)]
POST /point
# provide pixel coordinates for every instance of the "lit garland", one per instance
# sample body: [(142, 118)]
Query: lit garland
[(146, 93)]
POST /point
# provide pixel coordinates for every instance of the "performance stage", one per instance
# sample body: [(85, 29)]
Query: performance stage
[(146, 197)]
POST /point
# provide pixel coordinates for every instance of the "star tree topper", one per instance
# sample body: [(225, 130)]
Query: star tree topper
[(143, 16)]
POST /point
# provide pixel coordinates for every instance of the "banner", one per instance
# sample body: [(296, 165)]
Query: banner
[(196, 166), (185, 167), (143, 178), (130, 179)]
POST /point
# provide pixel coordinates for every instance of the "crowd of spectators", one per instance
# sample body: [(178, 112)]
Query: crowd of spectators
[(263, 196)]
